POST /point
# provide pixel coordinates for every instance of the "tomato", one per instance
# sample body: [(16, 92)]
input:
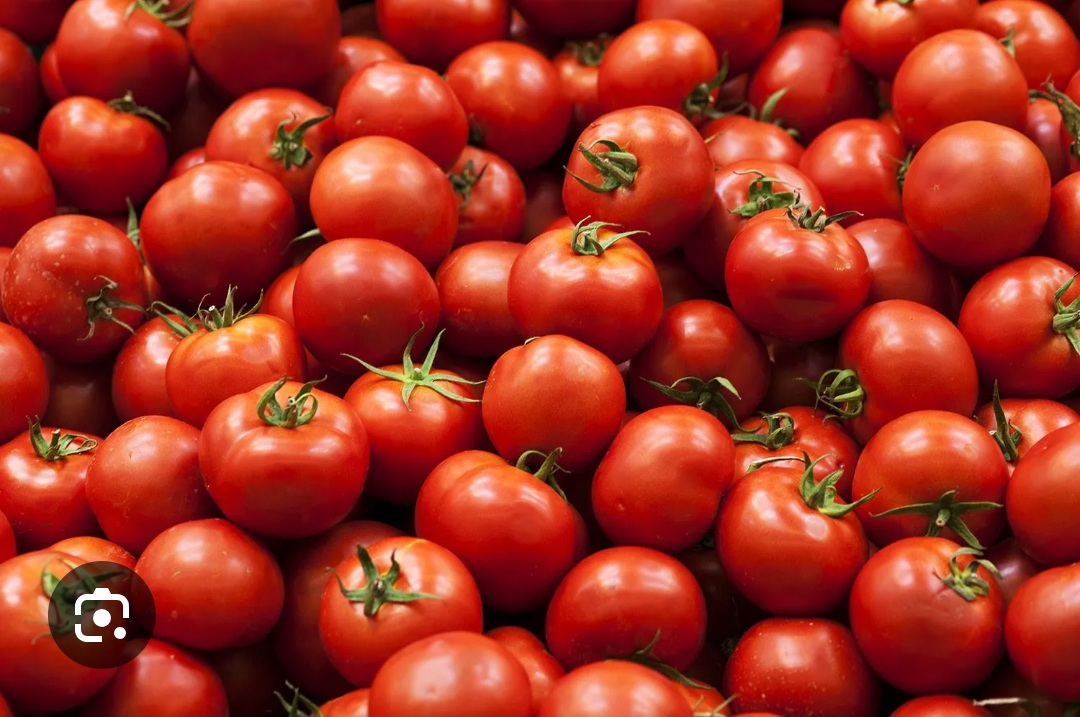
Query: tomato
[(800, 666), (35, 676), (473, 286), (1039, 496), (24, 385), (51, 82), (190, 124), (102, 48), (404, 590), (216, 225), (351, 704), (351, 55), (1017, 424), (250, 676), (614, 687), (245, 579), (981, 81), (89, 549), (188, 160), (492, 197), (578, 65), (900, 268), (1015, 567), (570, 19), (811, 62), (897, 357), (735, 138), (35, 21), (554, 392), (879, 35), (452, 673), (526, 132), (363, 297), (588, 283), (626, 601), (138, 375), (928, 616), (659, 484), (278, 301), (7, 539), (939, 705), (543, 670), (79, 397), (435, 35), (20, 91), (543, 201), (1063, 223), (1043, 127), (26, 190), (645, 169), (1045, 46), (162, 680), (1041, 629)]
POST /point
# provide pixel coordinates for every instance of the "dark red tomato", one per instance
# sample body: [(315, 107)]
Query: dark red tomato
[(241, 45), (406, 589), (247, 584), (941, 705), (811, 62), (89, 549), (452, 673), (1040, 495), (191, 122), (35, 21), (20, 91), (423, 33), (1023, 422), (981, 81), (188, 160), (612, 688), (1045, 46), (1044, 128), (26, 190), (50, 76), (879, 35), (856, 163), (659, 484), (37, 677), (216, 225), (896, 357), (620, 601), (107, 48), (80, 396), (24, 383), (381, 188), (1015, 567), (1027, 347), (1059, 236), (472, 284), (900, 268), (735, 138), (554, 392), (492, 197), (162, 679), (699, 341), (678, 281), (574, 20), (74, 285), (250, 676), (543, 670), (1041, 630), (742, 31), (283, 132), (578, 65), (526, 132), (662, 62), (7, 539), (588, 283), (928, 616), (1070, 127), (138, 378), (352, 54), (800, 666)]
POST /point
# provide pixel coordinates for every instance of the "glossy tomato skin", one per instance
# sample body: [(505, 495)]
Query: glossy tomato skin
[(473, 286), (20, 91), (659, 484), (218, 224), (358, 645), (419, 29), (350, 704), (352, 54), (805, 666), (614, 687), (614, 602), (1046, 47), (579, 70), (1039, 496), (1016, 568), (138, 378), (1058, 237), (1042, 649), (900, 602), (735, 138), (672, 186), (492, 209), (528, 131), (1034, 418), (24, 384), (940, 704), (246, 578), (35, 21), (543, 670), (27, 195)]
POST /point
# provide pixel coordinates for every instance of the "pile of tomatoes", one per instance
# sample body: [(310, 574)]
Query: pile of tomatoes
[(544, 357)]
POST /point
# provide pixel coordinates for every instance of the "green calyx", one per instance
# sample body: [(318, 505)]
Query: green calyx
[(706, 395), (380, 588), (840, 392), (1067, 317), (776, 431), (300, 705), (821, 496), (763, 196), (1006, 435), (590, 52), (412, 376), (60, 445), (645, 657), (585, 240), (617, 167), (65, 595), (175, 19), (102, 306), (297, 411), (701, 102), (463, 182), (903, 165), (288, 147), (1009, 41), (547, 470), (133, 232), (211, 319), (127, 105), (946, 512), (966, 582), (817, 220), (1070, 114)]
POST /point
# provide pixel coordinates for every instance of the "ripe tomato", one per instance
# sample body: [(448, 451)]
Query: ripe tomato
[(1041, 630), (734, 138), (624, 602), (492, 197), (79, 397), (1043, 127), (50, 76), (571, 19), (1006, 682), (1017, 424), (138, 375), (246, 580), (578, 65), (20, 91), (614, 687), (645, 169), (403, 590), (543, 670), (26, 190), (554, 392), (1058, 236), (1015, 567), (1045, 46), (1039, 497), (350, 704), (35, 21), (24, 385), (939, 705), (928, 616), (89, 549), (351, 55), (473, 286), (7, 539), (422, 31)]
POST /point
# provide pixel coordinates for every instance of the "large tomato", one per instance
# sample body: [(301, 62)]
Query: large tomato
[(1017, 424), (733, 138), (26, 190), (473, 285), (1042, 627), (1058, 239), (1045, 47), (24, 384), (20, 92), (614, 688), (433, 35), (492, 206), (138, 372), (543, 670), (1040, 495)]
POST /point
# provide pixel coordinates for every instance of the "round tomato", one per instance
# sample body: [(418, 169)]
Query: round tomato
[(1015, 567), (612, 688), (492, 197), (578, 65), (1040, 495), (1045, 47), (138, 373), (434, 35), (1042, 627), (20, 91), (1017, 424), (954, 705), (1058, 238), (543, 670), (473, 285), (1043, 127), (89, 549), (352, 54), (26, 190), (35, 21), (24, 384), (734, 138)]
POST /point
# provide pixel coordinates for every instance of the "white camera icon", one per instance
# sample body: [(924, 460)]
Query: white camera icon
[(100, 616)]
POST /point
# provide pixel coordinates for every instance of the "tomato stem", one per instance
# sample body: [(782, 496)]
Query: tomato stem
[(464, 181), (293, 708), (296, 412), (288, 147), (1070, 114), (762, 196), (586, 242), (967, 583), (816, 221), (547, 470), (1006, 435), (706, 395), (379, 589), (776, 431), (175, 19), (127, 105), (102, 307), (64, 595), (701, 102), (645, 657), (590, 52), (617, 167), (946, 512), (1066, 318), (838, 390), (61, 445), (821, 496)]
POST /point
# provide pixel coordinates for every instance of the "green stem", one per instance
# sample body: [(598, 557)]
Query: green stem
[(616, 166), (380, 589), (297, 411), (60, 446), (288, 147), (706, 395)]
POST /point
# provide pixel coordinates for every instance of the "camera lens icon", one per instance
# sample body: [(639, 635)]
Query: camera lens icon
[(100, 616)]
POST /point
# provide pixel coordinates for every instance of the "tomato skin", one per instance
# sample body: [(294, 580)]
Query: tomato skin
[(543, 670), (24, 384), (419, 29), (1043, 650), (8, 549), (79, 397), (614, 687), (1039, 495), (981, 81), (351, 704), (246, 578), (20, 91), (26, 190), (659, 484), (1006, 681), (1043, 127), (735, 138), (1035, 418), (138, 378), (188, 160), (90, 549), (579, 76), (358, 645), (1058, 236), (574, 21), (352, 54), (940, 704), (824, 675), (1016, 568), (35, 21), (1046, 47), (615, 601), (472, 285), (528, 131), (494, 207)]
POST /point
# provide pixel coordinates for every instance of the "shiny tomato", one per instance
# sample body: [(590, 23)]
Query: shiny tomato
[(26, 190), (20, 91), (351, 55), (50, 76), (1017, 424), (138, 374), (492, 197), (578, 65), (543, 670), (928, 706), (611, 688), (473, 293), (421, 30), (1041, 629), (1058, 238), (1045, 47), (24, 384), (1040, 496), (734, 138), (1044, 128)]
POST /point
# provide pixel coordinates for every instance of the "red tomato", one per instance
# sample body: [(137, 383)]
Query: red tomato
[(138, 377), (543, 201), (188, 160), (246, 580), (89, 549), (26, 190), (20, 91), (352, 54), (1015, 567), (24, 384), (928, 616), (350, 704), (1041, 630), (939, 705), (50, 76), (79, 397), (578, 65), (7, 539), (423, 31), (543, 670), (473, 287), (735, 138), (190, 124), (613, 688), (678, 281), (574, 20), (1063, 223), (1045, 46), (1044, 128), (1017, 424), (1039, 497), (1006, 682), (492, 197), (35, 21)]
